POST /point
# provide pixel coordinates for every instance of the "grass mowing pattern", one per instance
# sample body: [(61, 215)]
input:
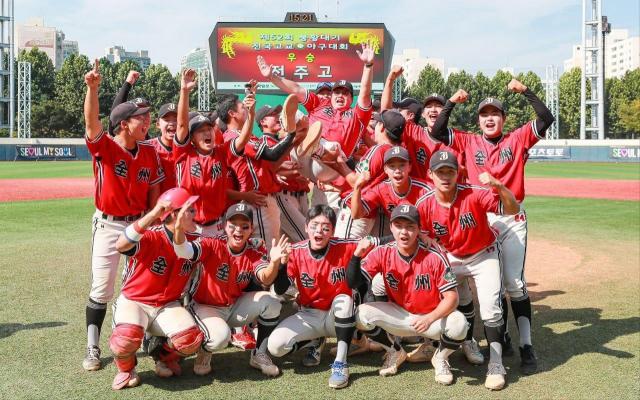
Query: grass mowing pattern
[(587, 340), (45, 169), (582, 170)]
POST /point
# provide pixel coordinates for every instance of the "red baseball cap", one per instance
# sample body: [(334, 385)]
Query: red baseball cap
[(179, 198)]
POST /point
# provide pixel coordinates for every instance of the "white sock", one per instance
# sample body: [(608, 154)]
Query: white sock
[(443, 353), (93, 336), (341, 354), (524, 328), (495, 352)]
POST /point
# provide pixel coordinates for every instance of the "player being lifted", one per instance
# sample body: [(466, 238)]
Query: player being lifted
[(456, 216), (504, 155), (230, 264), (421, 291), (154, 280), (127, 174)]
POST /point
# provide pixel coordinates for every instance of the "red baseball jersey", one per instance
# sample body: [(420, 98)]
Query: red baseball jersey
[(168, 166), (154, 275), (345, 127), (205, 176), (123, 178), (252, 172), (504, 160), (462, 229), (224, 275), (415, 285), (383, 195), (421, 146), (319, 281), (375, 160)]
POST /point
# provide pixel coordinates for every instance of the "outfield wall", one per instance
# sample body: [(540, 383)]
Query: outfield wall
[(555, 150)]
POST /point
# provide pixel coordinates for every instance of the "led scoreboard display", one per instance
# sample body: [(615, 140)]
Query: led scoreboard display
[(307, 53)]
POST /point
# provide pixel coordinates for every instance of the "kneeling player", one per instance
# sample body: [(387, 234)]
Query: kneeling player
[(219, 302), (154, 280), (421, 291), (317, 267)]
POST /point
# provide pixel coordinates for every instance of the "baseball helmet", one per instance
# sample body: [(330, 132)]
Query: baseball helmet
[(178, 198)]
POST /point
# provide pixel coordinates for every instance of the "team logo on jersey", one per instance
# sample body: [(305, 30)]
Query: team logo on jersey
[(121, 169), (328, 111), (506, 155), (440, 230), (480, 157), (196, 169), (159, 266), (347, 114), (391, 281), (216, 170), (390, 207), (144, 174), (244, 276), (449, 276), (467, 221), (338, 275), (421, 156), (223, 272), (306, 280), (187, 266), (422, 282)]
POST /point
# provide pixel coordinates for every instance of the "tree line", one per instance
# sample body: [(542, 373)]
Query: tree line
[(57, 96)]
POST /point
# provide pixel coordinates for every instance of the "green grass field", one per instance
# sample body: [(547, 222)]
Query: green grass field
[(586, 324), (64, 169)]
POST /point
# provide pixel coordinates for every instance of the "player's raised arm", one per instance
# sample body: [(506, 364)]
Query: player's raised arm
[(357, 210), (123, 93), (133, 233), (440, 127), (386, 100), (245, 134), (93, 127), (279, 255), (283, 84), (187, 83), (510, 205), (544, 118), (366, 56)]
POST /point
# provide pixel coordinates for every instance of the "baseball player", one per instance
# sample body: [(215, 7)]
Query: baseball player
[(127, 172), (342, 126), (504, 156), (254, 170), (415, 138), (123, 95), (421, 291), (456, 216), (201, 166), (230, 264), (317, 267), (154, 280), (167, 124)]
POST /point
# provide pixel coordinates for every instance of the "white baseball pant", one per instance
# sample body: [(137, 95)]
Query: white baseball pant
[(293, 214), (104, 256), (266, 221), (157, 321)]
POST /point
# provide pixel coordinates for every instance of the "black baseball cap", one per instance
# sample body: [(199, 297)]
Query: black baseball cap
[(396, 152), (242, 209), (125, 111), (491, 101), (198, 121), (435, 97), (409, 103), (323, 85), (343, 84), (167, 109), (393, 122), (141, 102), (406, 211), (441, 159), (267, 110)]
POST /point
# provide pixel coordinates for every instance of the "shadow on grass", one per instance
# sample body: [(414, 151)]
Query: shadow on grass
[(7, 330)]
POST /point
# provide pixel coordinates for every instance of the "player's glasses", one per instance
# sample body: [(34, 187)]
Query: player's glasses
[(324, 228)]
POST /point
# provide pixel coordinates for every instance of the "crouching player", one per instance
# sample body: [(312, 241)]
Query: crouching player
[(422, 295), (229, 265), (154, 280)]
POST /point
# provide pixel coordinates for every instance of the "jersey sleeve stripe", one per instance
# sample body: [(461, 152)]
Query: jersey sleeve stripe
[(263, 145), (448, 286), (365, 206), (306, 97), (534, 127), (177, 142), (96, 139), (232, 148)]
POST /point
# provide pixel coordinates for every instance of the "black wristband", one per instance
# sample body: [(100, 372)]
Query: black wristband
[(369, 65)]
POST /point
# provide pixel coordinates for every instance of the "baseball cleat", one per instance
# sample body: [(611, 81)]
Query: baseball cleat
[(166, 369), (244, 340), (202, 365), (528, 360), (288, 115), (310, 143), (312, 358), (495, 376), (339, 375), (260, 360), (442, 369), (125, 380), (472, 352), (422, 353), (393, 359), (91, 360)]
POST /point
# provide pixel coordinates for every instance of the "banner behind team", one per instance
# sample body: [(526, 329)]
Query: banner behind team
[(304, 53), (45, 152)]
